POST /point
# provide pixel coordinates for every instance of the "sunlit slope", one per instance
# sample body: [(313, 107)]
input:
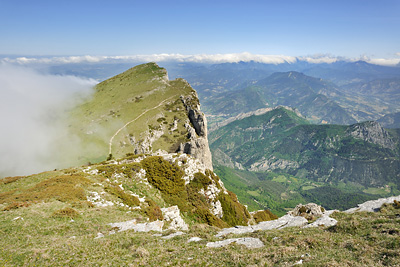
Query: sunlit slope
[(137, 109), (363, 153)]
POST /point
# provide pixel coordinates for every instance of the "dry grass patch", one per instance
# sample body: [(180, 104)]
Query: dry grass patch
[(65, 188)]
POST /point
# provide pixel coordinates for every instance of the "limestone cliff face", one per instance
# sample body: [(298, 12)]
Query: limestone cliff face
[(197, 132), (372, 132)]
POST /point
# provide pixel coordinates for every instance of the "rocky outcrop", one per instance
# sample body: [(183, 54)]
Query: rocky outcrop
[(172, 215), (282, 222), (197, 132), (373, 205), (324, 221), (273, 163), (373, 132), (310, 209), (138, 227), (249, 242)]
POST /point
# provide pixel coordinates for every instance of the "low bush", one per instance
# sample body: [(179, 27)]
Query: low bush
[(264, 215), (127, 170), (165, 176), (16, 205), (234, 212), (65, 188), (153, 211), (200, 181), (127, 199)]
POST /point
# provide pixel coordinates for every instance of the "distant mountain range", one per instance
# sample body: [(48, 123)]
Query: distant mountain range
[(335, 93), (307, 94), (390, 120), (348, 92), (280, 140)]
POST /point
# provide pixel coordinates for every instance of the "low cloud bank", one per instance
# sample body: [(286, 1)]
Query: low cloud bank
[(34, 135), (200, 58)]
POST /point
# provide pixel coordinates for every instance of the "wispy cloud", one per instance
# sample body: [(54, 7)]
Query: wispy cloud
[(199, 58), (32, 108)]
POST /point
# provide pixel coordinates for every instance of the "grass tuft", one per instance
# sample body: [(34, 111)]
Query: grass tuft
[(65, 213)]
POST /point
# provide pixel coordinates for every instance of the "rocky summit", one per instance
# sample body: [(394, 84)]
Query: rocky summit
[(141, 111), (158, 165)]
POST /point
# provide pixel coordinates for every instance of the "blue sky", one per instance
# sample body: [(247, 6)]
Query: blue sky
[(294, 28)]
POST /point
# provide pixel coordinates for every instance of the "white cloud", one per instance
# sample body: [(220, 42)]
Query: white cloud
[(200, 58), (32, 106), (384, 61)]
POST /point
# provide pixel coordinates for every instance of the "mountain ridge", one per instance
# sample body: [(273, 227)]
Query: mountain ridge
[(299, 147)]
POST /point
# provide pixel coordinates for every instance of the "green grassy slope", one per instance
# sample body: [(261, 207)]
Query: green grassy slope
[(326, 153), (61, 231), (138, 103), (280, 192), (316, 163)]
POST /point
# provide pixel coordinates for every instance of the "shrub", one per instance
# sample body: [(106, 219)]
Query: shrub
[(215, 177), (396, 204), (209, 218), (16, 205), (128, 169), (200, 181), (165, 176), (264, 215), (153, 211), (127, 199), (234, 212)]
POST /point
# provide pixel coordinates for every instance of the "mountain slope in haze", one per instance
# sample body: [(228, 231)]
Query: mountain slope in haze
[(376, 98), (158, 158), (141, 111), (345, 73), (390, 120), (215, 80), (279, 140), (311, 96)]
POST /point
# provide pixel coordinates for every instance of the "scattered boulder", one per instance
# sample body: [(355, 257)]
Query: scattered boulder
[(194, 239), (324, 221), (249, 242), (173, 235), (282, 222), (309, 211), (99, 235), (172, 215), (373, 205), (138, 227)]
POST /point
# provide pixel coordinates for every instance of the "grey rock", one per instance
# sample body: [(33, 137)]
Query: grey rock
[(173, 235), (373, 205), (325, 221), (282, 222), (138, 227), (194, 239), (197, 132), (172, 215), (249, 242), (99, 235), (373, 132), (308, 209)]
